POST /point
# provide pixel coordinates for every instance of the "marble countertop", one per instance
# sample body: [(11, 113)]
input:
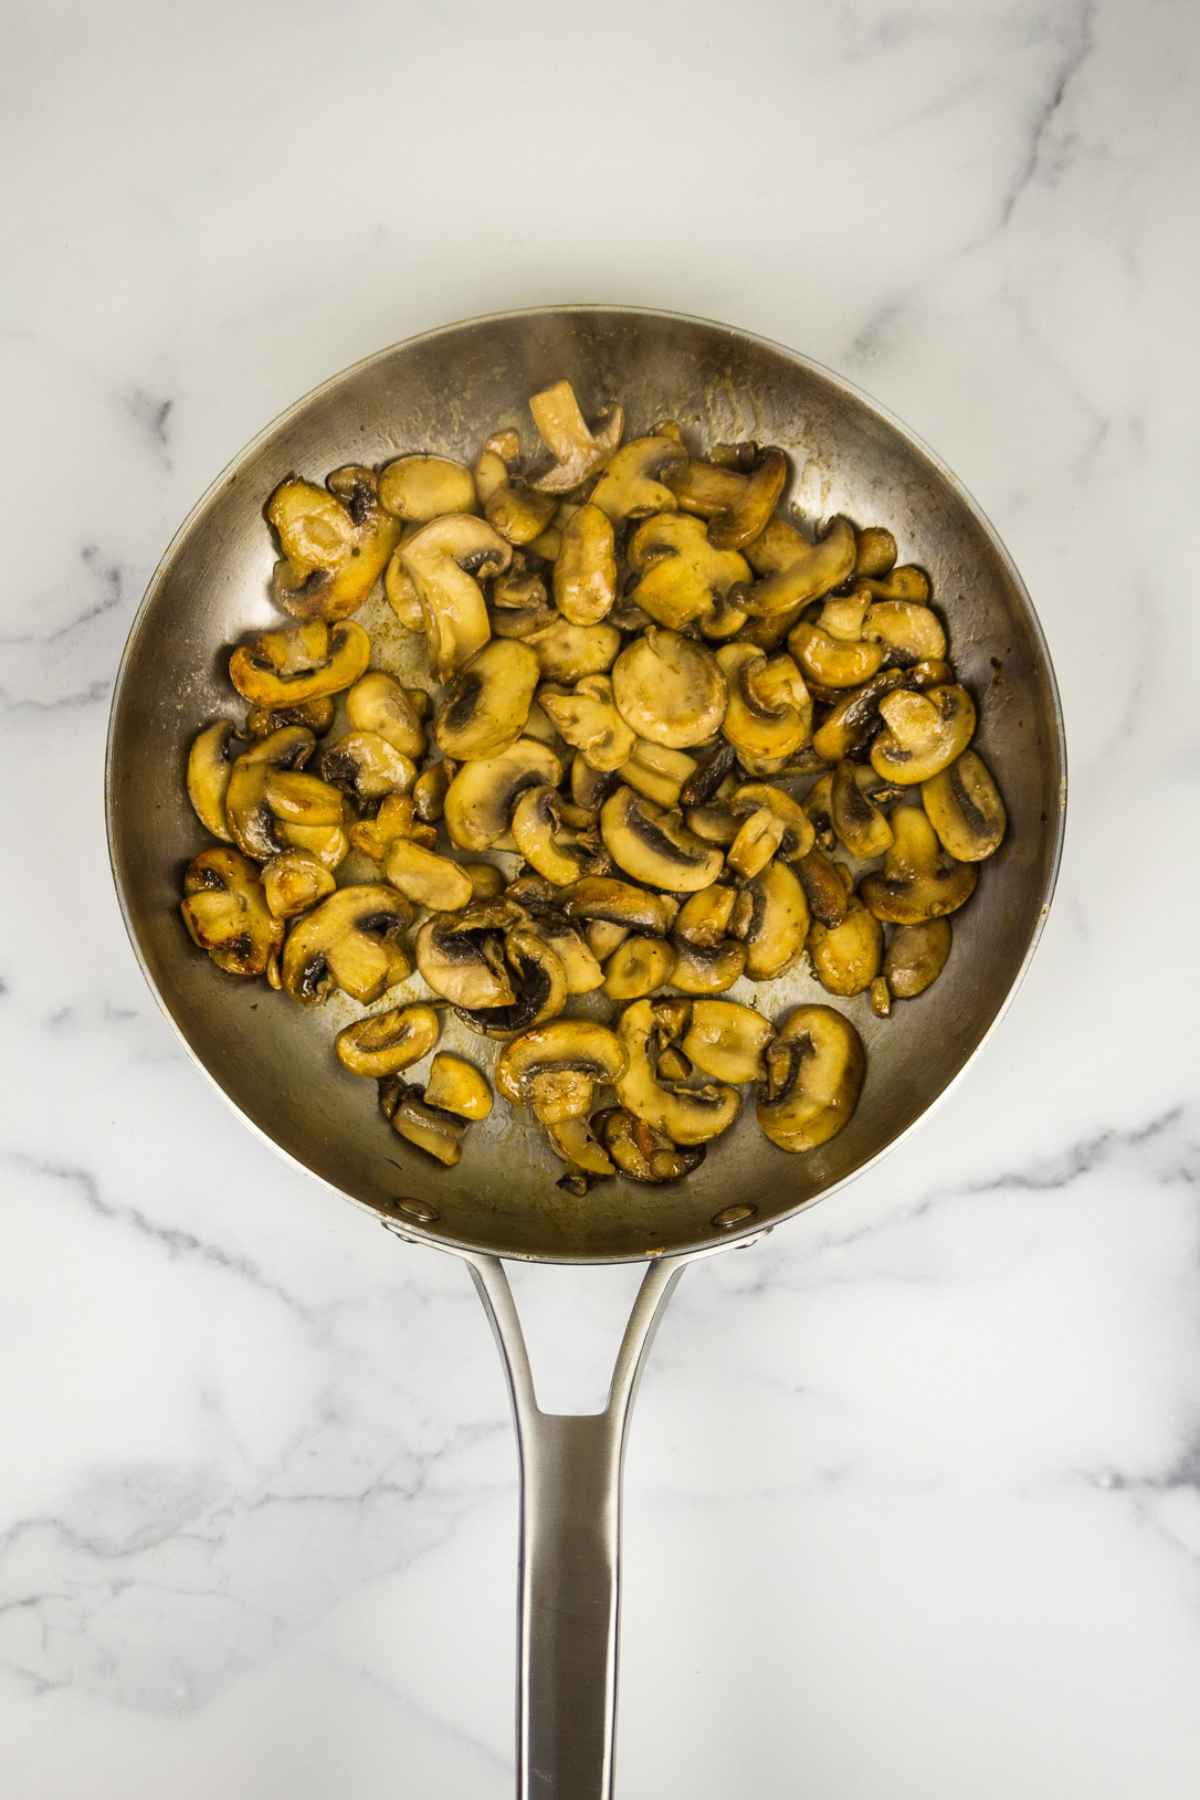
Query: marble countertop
[(913, 1501)]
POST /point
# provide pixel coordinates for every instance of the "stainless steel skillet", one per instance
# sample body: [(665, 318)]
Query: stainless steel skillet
[(448, 390)]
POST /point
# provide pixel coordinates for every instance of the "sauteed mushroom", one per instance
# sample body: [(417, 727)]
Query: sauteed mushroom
[(299, 662), (919, 881), (681, 575), (315, 715), (445, 560), (875, 551), (641, 1151), (619, 903), (924, 733), (815, 1070), (573, 1141), (813, 569), (461, 957), (859, 821), (480, 799), (771, 919), (420, 487), (294, 881), (638, 966), (226, 912), (824, 888), (384, 1043), (426, 878), (708, 969), (587, 718), (769, 715), (657, 773), (846, 957), (725, 1039), (208, 772), (910, 632), (354, 940), (559, 1065), (633, 485), (848, 725), (485, 707), (456, 1086), (965, 809), (916, 956), (669, 689), (565, 652), (585, 569), (365, 765), (378, 703), (578, 452), (686, 1115), (655, 847), (335, 542), (439, 1134)]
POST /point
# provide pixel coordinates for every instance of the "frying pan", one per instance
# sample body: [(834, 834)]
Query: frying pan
[(447, 391)]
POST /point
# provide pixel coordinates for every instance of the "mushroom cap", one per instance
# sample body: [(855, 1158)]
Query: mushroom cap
[(578, 1046), (461, 955), (294, 881), (655, 847), (587, 718), (457, 1086), (875, 551), (480, 799), (685, 1115), (769, 715), (705, 916), (619, 903), (208, 772), (638, 966), (380, 704), (556, 853), (726, 1040), (964, 807), (421, 487), (657, 773), (830, 662), (565, 651), (815, 1071), (682, 576), (426, 878), (353, 941), (861, 825), (669, 689), (916, 956), (384, 1043), (226, 913), (585, 569), (814, 569), (485, 707), (918, 880), (771, 918), (633, 485), (851, 720), (445, 561), (908, 631), (708, 969), (335, 540), (924, 733), (747, 518), (366, 765), (847, 957), (298, 663)]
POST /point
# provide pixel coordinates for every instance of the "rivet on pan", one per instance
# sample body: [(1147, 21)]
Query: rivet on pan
[(729, 1216), (420, 1210)]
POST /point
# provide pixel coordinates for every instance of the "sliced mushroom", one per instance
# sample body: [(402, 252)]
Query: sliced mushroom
[(681, 575), (566, 652), (587, 718), (518, 512), (815, 1070), (446, 559), (226, 912), (905, 583), (539, 985), (657, 773), (208, 771), (248, 811), (427, 878), (294, 881), (353, 941), (500, 454), (846, 957), (461, 957), (396, 818), (818, 808), (378, 703), (521, 589), (558, 854), (686, 1115), (642, 1152), (747, 518), (456, 1086), (908, 631), (710, 490), (639, 965), (588, 785), (479, 801), (860, 823), (315, 715), (918, 881), (965, 809), (704, 918), (831, 651), (580, 963), (655, 846), (430, 788), (400, 589), (366, 766), (916, 956), (712, 824), (875, 552), (704, 969), (924, 733), (487, 881), (796, 836), (771, 918), (438, 1134), (812, 572), (848, 725), (669, 689), (619, 903), (384, 1043), (824, 888), (633, 485), (556, 1068), (484, 708), (419, 488), (572, 1140), (335, 540), (726, 1040), (585, 570), (578, 452), (769, 715), (300, 662)]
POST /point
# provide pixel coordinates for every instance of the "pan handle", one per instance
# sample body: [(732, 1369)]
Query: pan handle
[(570, 1551)]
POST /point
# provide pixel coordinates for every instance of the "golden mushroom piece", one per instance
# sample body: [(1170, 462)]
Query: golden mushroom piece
[(484, 708), (587, 718), (439, 1134), (908, 631), (769, 715), (633, 485), (771, 918), (669, 689), (299, 663), (708, 969), (815, 1070), (554, 1069), (687, 1115), (602, 898), (445, 561), (261, 812), (378, 703), (875, 552), (585, 569), (364, 765), (681, 575), (354, 940), (426, 878), (847, 957), (924, 733), (836, 660), (803, 572), (641, 1151), (294, 881), (384, 1043), (657, 773), (226, 912), (964, 807), (555, 850), (655, 847), (335, 540), (420, 487), (479, 801), (492, 965), (638, 966), (918, 881), (858, 820), (916, 956), (565, 651), (208, 771), (578, 451), (315, 715), (850, 722), (725, 1039), (457, 1086)]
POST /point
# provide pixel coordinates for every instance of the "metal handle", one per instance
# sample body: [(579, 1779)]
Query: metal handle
[(570, 1554)]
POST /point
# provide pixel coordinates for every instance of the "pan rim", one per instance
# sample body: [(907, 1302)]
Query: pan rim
[(410, 1229)]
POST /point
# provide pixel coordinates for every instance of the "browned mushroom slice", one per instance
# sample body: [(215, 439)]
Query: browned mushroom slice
[(294, 881), (641, 1151), (248, 811), (818, 809), (686, 1115), (634, 484), (905, 583), (681, 575), (578, 451), (366, 766), (875, 552), (834, 659), (420, 487), (565, 652), (588, 720), (572, 1140), (669, 689), (824, 888), (484, 708), (736, 525), (335, 542), (315, 715), (815, 1070), (558, 853), (439, 1134), (585, 569), (965, 809), (654, 846), (918, 881), (708, 969), (771, 918), (461, 957), (908, 631), (446, 560), (426, 878), (378, 703), (396, 818), (430, 788), (456, 1086), (479, 801), (555, 1068), (537, 978), (769, 715), (796, 835), (384, 1043), (916, 956), (657, 773), (208, 771), (226, 912), (712, 824), (639, 965), (518, 512), (849, 724), (705, 917), (859, 822), (710, 490), (567, 940), (715, 777), (601, 897), (924, 733), (299, 663), (726, 1040), (846, 957), (353, 941), (814, 570)]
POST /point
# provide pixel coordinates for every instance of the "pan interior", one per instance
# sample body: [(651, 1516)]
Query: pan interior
[(447, 391)]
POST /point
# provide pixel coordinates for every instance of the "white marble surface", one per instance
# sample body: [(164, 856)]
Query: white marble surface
[(914, 1491)]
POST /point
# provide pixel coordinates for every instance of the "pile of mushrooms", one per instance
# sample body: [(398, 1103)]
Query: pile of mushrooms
[(669, 744)]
